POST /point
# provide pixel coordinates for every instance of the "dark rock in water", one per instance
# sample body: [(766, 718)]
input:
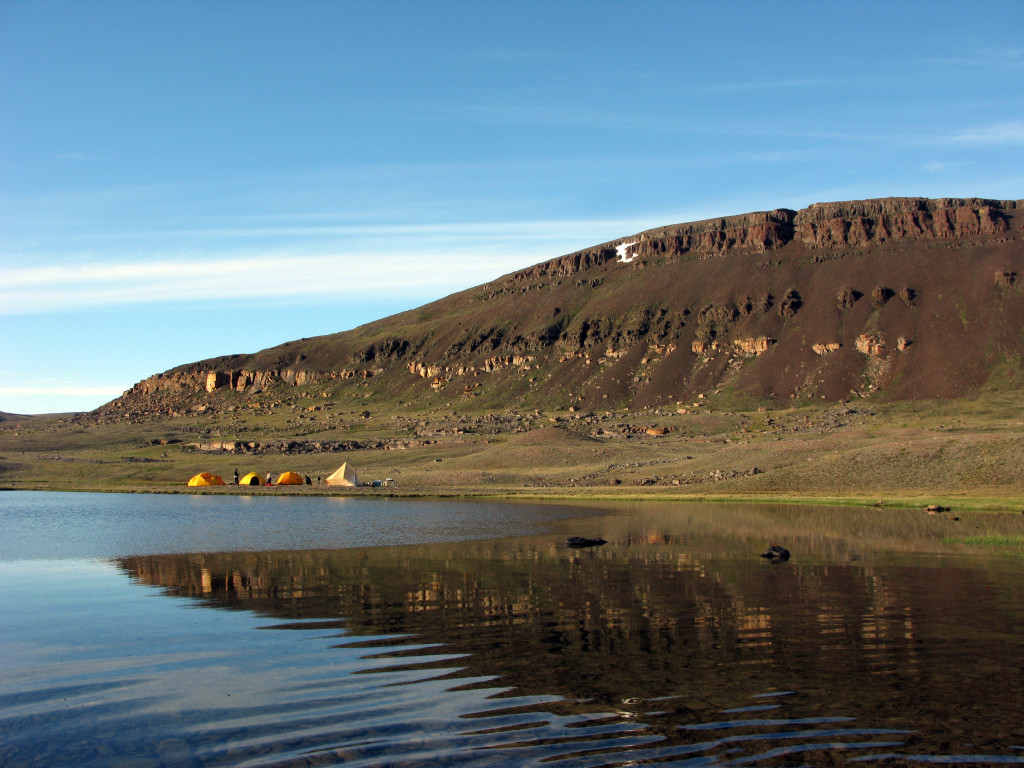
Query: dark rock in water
[(581, 541), (775, 552)]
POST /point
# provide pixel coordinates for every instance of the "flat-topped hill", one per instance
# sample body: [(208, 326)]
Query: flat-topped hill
[(908, 298)]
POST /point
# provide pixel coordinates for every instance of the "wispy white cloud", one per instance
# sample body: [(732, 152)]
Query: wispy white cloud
[(33, 290), (944, 166), (1006, 133), (79, 156), (61, 391), (506, 232), (650, 121), (990, 59), (517, 54), (761, 85), (423, 260)]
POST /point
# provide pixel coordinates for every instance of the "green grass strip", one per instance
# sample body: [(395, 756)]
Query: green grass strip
[(992, 540)]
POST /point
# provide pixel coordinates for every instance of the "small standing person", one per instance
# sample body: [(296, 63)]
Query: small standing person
[(236, 478), (268, 479)]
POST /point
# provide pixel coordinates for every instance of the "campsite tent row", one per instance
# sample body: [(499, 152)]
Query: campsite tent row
[(286, 478), (345, 475)]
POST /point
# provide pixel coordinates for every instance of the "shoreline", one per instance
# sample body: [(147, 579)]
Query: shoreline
[(952, 502), (963, 454)]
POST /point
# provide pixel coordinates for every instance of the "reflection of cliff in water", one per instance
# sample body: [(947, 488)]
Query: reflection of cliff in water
[(662, 611)]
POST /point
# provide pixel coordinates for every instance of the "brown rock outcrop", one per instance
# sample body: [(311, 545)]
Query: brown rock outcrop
[(492, 364), (871, 344), (177, 382), (425, 371), (756, 346), (199, 381), (828, 225), (821, 225), (756, 232)]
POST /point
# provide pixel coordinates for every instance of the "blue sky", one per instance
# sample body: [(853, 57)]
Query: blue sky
[(180, 180)]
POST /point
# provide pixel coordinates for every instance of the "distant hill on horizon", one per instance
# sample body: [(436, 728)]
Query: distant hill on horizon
[(906, 298)]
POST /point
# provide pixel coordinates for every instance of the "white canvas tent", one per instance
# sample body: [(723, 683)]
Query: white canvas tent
[(345, 475)]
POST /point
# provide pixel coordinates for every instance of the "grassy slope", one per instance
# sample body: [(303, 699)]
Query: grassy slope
[(963, 453), (623, 349), (590, 336)]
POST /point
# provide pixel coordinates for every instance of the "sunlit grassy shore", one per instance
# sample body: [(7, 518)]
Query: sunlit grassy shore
[(966, 455), (951, 500)]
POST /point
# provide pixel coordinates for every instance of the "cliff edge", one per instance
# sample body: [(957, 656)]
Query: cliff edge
[(897, 297)]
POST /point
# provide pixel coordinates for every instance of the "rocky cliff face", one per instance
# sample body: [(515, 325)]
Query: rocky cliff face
[(822, 225), (755, 232), (830, 225), (210, 381), (806, 297), (252, 382)]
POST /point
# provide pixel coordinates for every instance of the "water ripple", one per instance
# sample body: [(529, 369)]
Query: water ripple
[(667, 650), (751, 723), (947, 759)]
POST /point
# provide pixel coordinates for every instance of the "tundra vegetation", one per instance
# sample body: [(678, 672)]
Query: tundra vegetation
[(962, 454), (757, 356)]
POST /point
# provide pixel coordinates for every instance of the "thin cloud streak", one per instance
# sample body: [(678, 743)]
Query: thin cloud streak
[(568, 116), (64, 391), (989, 59), (517, 54), (439, 260), (1000, 134), (37, 290), (762, 85), (503, 232), (327, 257)]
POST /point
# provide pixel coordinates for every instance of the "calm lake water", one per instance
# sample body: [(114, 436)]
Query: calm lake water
[(260, 631)]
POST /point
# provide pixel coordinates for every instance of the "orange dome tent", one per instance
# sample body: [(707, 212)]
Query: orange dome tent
[(290, 478), (251, 479), (205, 478)]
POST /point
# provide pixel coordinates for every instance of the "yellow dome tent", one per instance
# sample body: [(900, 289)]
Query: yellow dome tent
[(345, 475), (205, 478), (290, 478), (251, 479)]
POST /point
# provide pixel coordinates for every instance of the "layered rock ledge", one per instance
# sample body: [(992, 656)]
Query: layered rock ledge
[(821, 225)]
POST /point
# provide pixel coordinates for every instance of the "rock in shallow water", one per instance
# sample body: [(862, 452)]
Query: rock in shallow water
[(775, 552), (581, 541)]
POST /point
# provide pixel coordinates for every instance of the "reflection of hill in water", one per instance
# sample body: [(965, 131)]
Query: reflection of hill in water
[(677, 604)]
